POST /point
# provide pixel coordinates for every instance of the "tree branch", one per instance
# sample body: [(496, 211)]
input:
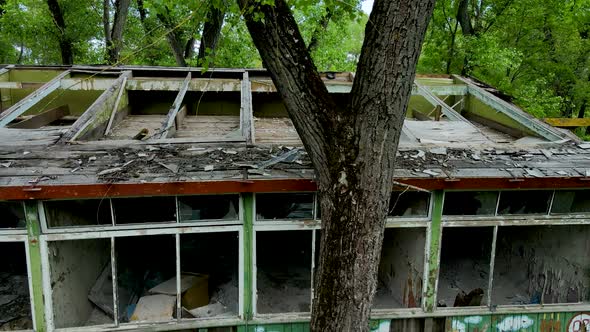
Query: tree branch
[(320, 28), (211, 32)]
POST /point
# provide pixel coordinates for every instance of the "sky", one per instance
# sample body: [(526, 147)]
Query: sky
[(367, 5)]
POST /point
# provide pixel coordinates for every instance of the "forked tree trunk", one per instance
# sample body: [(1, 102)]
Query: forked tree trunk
[(352, 148)]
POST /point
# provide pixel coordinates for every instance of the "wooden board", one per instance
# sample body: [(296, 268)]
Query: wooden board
[(43, 119), (209, 126), (279, 131), (568, 122), (133, 124)]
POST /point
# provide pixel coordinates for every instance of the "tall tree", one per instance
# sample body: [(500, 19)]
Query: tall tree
[(113, 33), (65, 44), (352, 145)]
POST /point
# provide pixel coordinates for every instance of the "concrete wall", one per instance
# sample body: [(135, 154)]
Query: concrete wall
[(402, 264), (75, 266)]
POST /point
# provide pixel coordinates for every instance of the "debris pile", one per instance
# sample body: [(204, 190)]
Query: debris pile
[(15, 305)]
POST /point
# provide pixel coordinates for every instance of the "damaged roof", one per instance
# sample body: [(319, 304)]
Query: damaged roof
[(111, 131)]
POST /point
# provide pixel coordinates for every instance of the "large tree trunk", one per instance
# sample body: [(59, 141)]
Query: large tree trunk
[(211, 32), (65, 45), (114, 35), (173, 38), (352, 148)]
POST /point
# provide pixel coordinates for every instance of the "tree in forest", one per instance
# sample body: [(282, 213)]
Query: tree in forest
[(352, 144), (113, 33), (65, 44)]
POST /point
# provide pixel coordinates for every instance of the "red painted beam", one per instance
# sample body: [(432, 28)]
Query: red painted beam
[(258, 186)]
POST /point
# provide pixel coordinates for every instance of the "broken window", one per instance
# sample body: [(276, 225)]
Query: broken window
[(209, 275), (81, 282), (470, 203), (464, 266), (284, 206), (15, 303), (146, 277), (90, 212), (401, 269), (571, 201), (524, 202), (542, 265), (283, 278), (208, 207), (12, 215), (144, 210), (409, 204)]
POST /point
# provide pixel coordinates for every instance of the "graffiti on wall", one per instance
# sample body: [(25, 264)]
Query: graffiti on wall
[(579, 323)]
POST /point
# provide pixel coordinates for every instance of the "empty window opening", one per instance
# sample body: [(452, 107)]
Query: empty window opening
[(73, 213), (81, 282), (409, 204), (283, 278), (209, 264), (284, 206), (12, 215), (209, 207), (470, 203), (464, 266), (144, 210), (15, 303), (524, 202), (146, 278), (271, 120), (571, 201), (542, 265), (401, 269)]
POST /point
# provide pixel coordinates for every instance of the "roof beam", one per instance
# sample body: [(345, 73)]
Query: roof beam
[(246, 114), (29, 101), (107, 131), (98, 113), (434, 100), (168, 126), (5, 69), (513, 112)]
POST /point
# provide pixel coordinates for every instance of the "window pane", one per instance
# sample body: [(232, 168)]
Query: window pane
[(409, 204), (144, 210), (283, 278), (91, 212), (470, 203), (15, 308), (12, 215), (284, 206), (542, 264), (524, 202), (464, 266), (209, 207), (571, 201)]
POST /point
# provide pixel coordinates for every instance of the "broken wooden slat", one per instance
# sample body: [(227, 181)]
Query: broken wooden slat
[(542, 129), (116, 109), (568, 122), (420, 116), (168, 128), (434, 100), (43, 119), (246, 114), (25, 104), (91, 118)]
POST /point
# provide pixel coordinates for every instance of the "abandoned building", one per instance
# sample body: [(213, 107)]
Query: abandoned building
[(146, 198)]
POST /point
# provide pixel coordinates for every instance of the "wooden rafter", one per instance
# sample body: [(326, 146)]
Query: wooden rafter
[(168, 126)]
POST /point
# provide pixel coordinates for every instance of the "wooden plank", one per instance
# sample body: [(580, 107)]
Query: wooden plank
[(420, 116), (114, 112), (26, 103), (96, 112), (6, 69), (168, 128), (515, 113), (495, 125), (568, 122), (43, 119), (246, 112)]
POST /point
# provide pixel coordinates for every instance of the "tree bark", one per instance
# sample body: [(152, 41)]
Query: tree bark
[(211, 32), (65, 45), (352, 147), (464, 18), (114, 34), (173, 38)]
